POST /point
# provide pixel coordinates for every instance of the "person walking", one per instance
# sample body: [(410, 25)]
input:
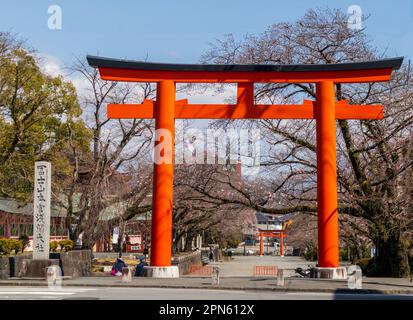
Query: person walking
[(211, 255)]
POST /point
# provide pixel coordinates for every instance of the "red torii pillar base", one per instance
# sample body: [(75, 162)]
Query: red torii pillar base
[(331, 273), (161, 272)]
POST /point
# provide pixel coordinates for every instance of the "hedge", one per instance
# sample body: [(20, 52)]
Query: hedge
[(7, 246)]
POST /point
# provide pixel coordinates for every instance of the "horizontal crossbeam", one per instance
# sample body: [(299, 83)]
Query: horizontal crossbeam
[(184, 110), (272, 235), (354, 76), (140, 71)]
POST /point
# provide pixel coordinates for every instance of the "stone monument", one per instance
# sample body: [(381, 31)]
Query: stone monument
[(41, 210), (36, 267)]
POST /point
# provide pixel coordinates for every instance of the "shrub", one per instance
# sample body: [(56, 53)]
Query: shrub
[(97, 269), (5, 248), (16, 245), (53, 246), (233, 241), (25, 241), (66, 245), (9, 245), (311, 253), (364, 264)]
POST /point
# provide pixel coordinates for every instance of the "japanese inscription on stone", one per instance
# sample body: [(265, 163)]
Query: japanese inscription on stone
[(41, 210)]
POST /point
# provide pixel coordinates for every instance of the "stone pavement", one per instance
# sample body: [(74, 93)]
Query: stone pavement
[(238, 275), (370, 285), (242, 266)]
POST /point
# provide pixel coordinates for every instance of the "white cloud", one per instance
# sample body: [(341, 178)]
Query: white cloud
[(81, 84), (54, 67), (205, 93), (50, 65)]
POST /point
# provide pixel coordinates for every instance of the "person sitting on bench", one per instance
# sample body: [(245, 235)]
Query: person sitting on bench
[(118, 266), (139, 266)]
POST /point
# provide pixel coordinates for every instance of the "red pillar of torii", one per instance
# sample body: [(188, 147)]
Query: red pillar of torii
[(325, 110)]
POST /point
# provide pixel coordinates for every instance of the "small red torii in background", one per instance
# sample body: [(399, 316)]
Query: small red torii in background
[(279, 234), (325, 110)]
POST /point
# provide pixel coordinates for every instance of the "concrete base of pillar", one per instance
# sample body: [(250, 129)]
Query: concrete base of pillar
[(331, 273), (36, 268), (161, 272)]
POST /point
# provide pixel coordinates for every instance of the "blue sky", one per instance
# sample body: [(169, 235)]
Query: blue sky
[(180, 30)]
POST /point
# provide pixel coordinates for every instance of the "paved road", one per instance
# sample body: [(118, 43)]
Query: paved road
[(243, 266), (41, 293)]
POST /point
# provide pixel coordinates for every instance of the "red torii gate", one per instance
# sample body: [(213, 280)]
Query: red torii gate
[(325, 109), (272, 234)]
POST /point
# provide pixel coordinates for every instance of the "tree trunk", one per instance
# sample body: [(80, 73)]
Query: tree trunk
[(178, 238), (188, 242), (175, 242), (392, 257), (88, 243)]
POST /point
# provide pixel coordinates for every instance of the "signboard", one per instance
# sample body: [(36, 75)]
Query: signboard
[(41, 210), (115, 237)]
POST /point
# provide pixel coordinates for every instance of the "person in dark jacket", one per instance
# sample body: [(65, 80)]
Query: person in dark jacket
[(211, 255), (118, 266), (139, 266)]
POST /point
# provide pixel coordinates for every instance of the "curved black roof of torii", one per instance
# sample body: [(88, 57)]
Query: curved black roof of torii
[(101, 62)]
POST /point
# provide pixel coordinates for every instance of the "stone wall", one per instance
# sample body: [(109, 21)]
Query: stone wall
[(185, 262), (16, 264), (4, 268), (35, 268), (76, 263)]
